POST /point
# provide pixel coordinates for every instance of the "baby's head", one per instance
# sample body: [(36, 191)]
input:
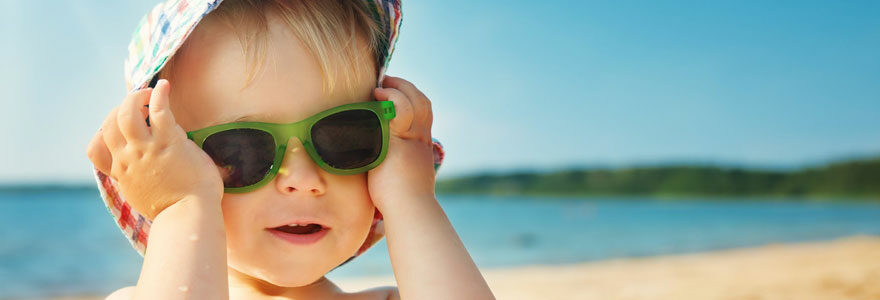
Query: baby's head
[(281, 62)]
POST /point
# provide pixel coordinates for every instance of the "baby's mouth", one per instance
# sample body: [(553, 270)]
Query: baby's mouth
[(300, 233), (300, 229)]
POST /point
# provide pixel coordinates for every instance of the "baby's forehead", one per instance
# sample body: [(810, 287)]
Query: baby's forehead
[(277, 52), (211, 86), (346, 60)]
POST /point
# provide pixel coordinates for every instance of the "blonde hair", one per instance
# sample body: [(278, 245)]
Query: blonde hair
[(330, 30)]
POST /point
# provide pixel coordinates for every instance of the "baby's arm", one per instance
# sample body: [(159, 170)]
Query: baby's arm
[(171, 181), (186, 257), (428, 258)]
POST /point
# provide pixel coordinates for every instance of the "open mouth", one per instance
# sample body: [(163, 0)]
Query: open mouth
[(300, 233), (300, 229)]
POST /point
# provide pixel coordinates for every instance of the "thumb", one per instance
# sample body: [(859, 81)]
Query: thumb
[(99, 154)]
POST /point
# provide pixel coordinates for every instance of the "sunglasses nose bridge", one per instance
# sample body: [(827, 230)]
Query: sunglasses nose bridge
[(289, 131)]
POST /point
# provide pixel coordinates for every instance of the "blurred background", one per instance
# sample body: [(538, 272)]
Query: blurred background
[(575, 131)]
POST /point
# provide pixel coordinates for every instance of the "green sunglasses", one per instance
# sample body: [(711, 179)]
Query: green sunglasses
[(344, 140)]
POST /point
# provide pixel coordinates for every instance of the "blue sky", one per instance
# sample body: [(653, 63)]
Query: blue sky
[(524, 85)]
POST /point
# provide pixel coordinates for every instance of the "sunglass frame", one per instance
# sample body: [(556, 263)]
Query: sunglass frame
[(282, 133)]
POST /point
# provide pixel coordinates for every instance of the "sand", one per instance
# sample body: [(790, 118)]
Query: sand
[(842, 269), (847, 268)]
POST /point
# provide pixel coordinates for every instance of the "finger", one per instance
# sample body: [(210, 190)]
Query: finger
[(403, 110), (408, 88), (99, 154), (161, 118), (110, 131), (131, 118), (422, 114), (429, 122), (416, 97)]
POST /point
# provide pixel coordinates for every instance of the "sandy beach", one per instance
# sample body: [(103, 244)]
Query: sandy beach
[(842, 269), (847, 268)]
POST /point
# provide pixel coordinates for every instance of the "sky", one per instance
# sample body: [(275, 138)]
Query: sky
[(523, 85)]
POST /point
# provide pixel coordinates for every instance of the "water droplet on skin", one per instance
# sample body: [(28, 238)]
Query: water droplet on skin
[(193, 237), (183, 288)]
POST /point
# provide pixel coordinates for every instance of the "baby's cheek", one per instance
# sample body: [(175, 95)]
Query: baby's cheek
[(358, 203), (358, 222), (240, 233)]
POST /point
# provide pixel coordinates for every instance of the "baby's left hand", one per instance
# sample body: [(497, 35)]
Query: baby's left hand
[(408, 169)]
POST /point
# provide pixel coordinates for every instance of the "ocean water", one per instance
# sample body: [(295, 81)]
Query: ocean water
[(64, 242)]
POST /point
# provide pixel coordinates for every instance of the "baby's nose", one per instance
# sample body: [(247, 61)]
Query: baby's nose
[(298, 173)]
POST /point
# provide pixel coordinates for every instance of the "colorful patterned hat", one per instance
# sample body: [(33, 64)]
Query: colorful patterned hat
[(157, 38)]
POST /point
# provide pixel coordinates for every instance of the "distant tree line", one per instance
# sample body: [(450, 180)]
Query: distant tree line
[(856, 178)]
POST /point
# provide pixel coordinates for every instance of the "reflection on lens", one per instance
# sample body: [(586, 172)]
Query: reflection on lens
[(349, 139), (244, 155)]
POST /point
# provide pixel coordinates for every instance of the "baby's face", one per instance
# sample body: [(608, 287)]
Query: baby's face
[(207, 89)]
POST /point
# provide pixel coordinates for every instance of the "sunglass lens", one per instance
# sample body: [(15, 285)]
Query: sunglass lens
[(348, 139), (245, 156)]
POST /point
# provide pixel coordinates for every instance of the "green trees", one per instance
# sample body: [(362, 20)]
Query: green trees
[(858, 178)]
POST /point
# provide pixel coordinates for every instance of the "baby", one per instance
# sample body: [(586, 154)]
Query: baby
[(264, 153)]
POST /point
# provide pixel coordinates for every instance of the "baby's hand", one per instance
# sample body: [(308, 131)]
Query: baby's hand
[(408, 169), (155, 166)]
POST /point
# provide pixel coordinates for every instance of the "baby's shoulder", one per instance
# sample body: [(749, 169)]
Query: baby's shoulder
[(125, 293), (378, 293)]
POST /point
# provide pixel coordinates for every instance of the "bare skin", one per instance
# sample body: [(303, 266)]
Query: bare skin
[(205, 244)]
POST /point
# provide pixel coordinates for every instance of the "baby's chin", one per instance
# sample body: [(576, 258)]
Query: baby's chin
[(286, 278), (290, 280)]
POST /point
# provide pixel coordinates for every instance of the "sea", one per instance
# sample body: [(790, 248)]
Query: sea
[(63, 242)]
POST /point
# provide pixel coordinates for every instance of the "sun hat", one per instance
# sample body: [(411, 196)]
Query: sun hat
[(158, 36)]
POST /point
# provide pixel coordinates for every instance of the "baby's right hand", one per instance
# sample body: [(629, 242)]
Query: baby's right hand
[(155, 166)]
